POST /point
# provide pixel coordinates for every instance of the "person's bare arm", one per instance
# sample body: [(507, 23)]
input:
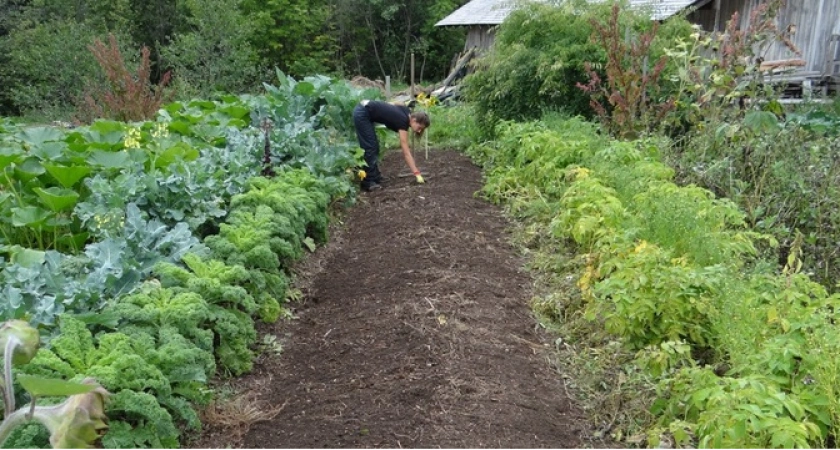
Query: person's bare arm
[(406, 150)]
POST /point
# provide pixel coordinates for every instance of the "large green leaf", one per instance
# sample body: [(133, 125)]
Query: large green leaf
[(761, 121), (173, 108), (49, 151), (73, 241), (109, 160), (5, 197), (26, 257), (304, 88), (108, 319), (50, 387), (36, 136), (236, 111), (9, 155), (67, 176), (202, 104), (106, 131), (29, 216), (57, 199), (177, 152), (14, 297), (29, 169), (180, 128)]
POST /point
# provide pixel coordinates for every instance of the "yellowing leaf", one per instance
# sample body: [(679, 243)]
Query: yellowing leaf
[(772, 315)]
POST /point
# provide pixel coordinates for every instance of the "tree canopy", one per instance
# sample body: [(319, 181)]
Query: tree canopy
[(216, 45)]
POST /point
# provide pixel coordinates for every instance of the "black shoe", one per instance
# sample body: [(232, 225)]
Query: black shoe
[(370, 187)]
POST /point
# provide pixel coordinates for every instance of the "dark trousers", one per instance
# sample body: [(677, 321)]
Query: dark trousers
[(366, 133)]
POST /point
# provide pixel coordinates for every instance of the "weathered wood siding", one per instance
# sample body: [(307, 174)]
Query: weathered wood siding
[(712, 20), (816, 21), (480, 36)]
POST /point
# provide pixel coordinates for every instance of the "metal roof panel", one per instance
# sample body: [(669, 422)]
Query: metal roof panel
[(494, 12)]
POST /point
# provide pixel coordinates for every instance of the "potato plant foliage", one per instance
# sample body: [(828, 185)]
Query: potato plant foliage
[(729, 352)]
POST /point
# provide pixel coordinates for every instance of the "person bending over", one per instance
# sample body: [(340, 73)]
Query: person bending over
[(396, 118)]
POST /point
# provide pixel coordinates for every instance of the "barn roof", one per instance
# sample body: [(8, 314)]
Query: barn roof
[(662, 9), (494, 12), (479, 12)]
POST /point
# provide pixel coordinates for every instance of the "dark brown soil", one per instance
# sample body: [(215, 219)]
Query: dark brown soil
[(414, 331)]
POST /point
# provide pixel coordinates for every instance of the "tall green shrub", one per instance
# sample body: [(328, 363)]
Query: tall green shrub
[(46, 68), (537, 60), (213, 53), (293, 35)]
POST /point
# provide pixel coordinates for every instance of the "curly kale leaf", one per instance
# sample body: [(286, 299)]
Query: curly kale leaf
[(30, 435), (188, 312), (139, 421), (187, 367), (270, 308), (163, 365), (236, 334)]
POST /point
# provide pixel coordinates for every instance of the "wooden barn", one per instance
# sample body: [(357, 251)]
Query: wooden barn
[(480, 17), (814, 27)]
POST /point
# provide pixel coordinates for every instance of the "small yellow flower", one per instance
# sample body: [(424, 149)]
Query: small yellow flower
[(426, 101), (581, 173), (160, 130), (132, 138), (642, 246), (362, 174)]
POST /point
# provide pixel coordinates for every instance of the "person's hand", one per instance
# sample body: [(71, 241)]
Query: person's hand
[(419, 178)]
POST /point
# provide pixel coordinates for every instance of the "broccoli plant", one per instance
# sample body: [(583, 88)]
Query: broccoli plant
[(75, 423)]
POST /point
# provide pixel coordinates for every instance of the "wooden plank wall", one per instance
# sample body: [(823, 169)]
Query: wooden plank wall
[(480, 36), (706, 16), (815, 20)]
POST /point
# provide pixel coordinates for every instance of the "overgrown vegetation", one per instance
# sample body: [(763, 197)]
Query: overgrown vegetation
[(687, 314), (45, 62), (690, 326), (685, 247), (544, 54), (127, 95)]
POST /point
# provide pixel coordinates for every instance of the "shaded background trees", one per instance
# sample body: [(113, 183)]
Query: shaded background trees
[(377, 37), (215, 45)]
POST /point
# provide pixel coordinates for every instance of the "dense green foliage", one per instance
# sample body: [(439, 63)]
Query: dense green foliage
[(213, 53), (536, 62), (390, 31), (720, 348), (545, 54), (685, 324), (783, 192), (146, 251), (228, 46)]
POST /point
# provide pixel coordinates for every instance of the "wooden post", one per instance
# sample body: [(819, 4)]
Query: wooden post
[(412, 75), (717, 16), (387, 86)]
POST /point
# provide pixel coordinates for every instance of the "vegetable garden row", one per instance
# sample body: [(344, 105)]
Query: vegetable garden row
[(713, 347), (145, 252)]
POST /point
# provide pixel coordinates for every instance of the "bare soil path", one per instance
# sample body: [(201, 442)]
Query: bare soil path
[(414, 331)]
